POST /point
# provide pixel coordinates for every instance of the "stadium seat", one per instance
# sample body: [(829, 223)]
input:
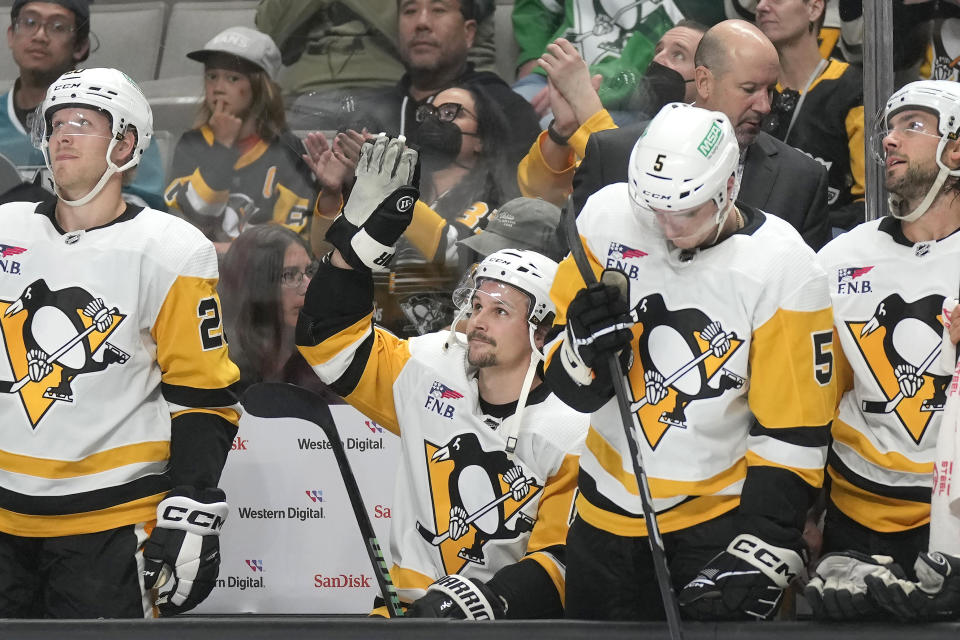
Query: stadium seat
[(127, 37), (192, 24), (506, 44)]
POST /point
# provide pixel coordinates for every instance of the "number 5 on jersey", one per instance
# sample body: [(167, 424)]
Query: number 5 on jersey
[(211, 326), (822, 356)]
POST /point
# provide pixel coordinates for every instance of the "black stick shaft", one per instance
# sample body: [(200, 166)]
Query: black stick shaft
[(659, 556)]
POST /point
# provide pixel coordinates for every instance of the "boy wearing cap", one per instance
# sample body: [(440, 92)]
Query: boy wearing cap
[(240, 165), (521, 223), (47, 39)]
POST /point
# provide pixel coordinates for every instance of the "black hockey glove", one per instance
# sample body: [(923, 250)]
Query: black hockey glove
[(380, 206), (934, 596), (598, 325), (460, 598), (838, 590), (746, 580), (182, 555)]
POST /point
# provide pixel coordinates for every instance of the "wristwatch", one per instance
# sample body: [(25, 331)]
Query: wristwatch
[(555, 135)]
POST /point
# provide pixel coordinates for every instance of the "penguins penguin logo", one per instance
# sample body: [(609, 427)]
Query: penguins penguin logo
[(479, 494), (901, 343), (51, 337), (682, 357)]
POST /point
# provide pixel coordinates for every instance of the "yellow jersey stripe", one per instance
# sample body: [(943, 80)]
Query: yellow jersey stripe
[(332, 346), (157, 451), (894, 460), (556, 575), (34, 526), (880, 513), (682, 516)]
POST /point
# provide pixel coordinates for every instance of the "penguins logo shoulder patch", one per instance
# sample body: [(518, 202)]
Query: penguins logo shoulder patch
[(683, 356), (900, 343), (478, 496), (52, 336)]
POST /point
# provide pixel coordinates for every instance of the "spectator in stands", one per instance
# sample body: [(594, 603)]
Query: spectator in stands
[(547, 170), (522, 223), (736, 69), (240, 165), (343, 49), (263, 279), (617, 39), (465, 174), (46, 40), (818, 104)]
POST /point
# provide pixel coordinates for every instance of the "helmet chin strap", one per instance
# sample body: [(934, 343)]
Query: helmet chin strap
[(895, 203), (97, 188), (510, 428)]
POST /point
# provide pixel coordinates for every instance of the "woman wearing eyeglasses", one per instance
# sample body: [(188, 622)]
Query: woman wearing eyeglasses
[(465, 173), (263, 279)]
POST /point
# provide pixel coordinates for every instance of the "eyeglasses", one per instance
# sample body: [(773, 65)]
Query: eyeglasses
[(293, 278), (446, 112), (29, 25), (781, 111)]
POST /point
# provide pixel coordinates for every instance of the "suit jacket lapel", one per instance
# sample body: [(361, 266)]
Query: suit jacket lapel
[(760, 171)]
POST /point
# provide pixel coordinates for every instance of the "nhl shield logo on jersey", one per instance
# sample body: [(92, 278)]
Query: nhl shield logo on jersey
[(683, 357), (477, 497), (901, 344), (50, 338)]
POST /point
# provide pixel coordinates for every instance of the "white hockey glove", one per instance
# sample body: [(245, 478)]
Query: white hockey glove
[(838, 588), (380, 206), (934, 596), (598, 325), (746, 580), (182, 555), (459, 598)]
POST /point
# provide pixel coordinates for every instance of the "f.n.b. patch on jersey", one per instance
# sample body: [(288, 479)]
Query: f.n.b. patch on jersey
[(477, 497), (623, 258), (438, 400), (900, 343), (9, 263), (683, 358), (852, 280), (52, 336)]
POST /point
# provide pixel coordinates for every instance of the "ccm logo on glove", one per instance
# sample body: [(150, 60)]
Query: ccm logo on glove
[(750, 548), (196, 517)]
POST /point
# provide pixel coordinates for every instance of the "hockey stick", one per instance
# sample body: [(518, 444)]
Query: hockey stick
[(70, 344), (436, 539), (660, 567), (679, 373), (281, 400), (886, 406)]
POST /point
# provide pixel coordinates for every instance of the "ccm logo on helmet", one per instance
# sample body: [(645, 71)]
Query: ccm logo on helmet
[(764, 556), (66, 86), (654, 196), (196, 517)]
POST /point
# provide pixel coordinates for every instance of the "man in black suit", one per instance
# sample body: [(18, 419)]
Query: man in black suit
[(736, 69)]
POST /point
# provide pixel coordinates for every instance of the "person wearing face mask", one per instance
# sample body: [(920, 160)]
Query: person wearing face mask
[(240, 165), (547, 169), (461, 138)]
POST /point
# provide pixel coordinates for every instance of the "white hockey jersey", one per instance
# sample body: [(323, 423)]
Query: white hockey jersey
[(110, 335), (732, 369), (454, 460), (887, 297)]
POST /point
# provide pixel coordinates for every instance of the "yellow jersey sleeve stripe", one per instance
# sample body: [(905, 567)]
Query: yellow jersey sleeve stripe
[(784, 390), (204, 191), (855, 132), (425, 230), (157, 451), (557, 576), (252, 155), (34, 526), (845, 434), (880, 513), (408, 578), (331, 347), (229, 414), (556, 503), (286, 202), (373, 395), (682, 516), (813, 477), (600, 121)]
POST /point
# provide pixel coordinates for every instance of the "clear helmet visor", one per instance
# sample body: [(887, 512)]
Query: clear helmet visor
[(66, 122), (899, 127), (688, 228)]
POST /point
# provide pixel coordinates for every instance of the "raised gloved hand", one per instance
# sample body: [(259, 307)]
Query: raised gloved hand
[(838, 591), (460, 598), (598, 325), (934, 596), (380, 206), (746, 580), (182, 555)]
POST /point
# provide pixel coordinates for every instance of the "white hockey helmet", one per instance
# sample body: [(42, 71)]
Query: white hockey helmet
[(684, 159), (941, 97), (109, 91)]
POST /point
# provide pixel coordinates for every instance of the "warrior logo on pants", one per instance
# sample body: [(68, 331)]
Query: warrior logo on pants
[(683, 358), (51, 337), (479, 494)]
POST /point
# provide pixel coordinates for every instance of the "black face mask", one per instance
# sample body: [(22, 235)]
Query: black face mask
[(439, 141), (659, 85)]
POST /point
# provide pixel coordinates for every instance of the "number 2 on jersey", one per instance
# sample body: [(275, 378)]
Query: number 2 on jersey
[(211, 328)]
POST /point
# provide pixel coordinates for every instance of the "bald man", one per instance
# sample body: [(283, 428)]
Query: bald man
[(736, 71)]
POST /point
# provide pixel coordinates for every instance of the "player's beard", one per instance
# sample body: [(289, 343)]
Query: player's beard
[(486, 359), (914, 184)]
